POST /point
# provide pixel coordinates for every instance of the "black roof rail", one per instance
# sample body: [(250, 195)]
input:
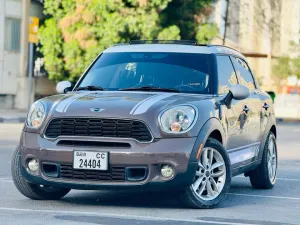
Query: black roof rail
[(180, 42), (120, 44)]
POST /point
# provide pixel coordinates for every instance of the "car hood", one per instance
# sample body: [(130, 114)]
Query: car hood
[(144, 106)]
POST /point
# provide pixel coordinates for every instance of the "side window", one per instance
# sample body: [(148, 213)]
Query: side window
[(226, 74), (12, 34), (244, 75)]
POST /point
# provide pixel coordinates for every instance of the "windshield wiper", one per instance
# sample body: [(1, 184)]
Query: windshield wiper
[(150, 88), (90, 88)]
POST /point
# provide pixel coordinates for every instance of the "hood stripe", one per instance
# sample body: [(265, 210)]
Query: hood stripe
[(148, 102), (141, 102), (64, 104)]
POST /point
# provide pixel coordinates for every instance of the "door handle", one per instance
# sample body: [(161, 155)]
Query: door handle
[(266, 106), (246, 109)]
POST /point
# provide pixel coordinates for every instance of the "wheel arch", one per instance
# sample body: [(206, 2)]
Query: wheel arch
[(216, 134), (212, 128), (270, 127), (273, 130)]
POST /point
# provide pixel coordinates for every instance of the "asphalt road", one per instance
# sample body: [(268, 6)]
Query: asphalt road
[(243, 205)]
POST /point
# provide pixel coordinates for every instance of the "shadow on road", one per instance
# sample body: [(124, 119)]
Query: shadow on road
[(125, 199), (142, 199)]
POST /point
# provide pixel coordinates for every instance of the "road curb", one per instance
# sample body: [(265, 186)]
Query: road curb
[(12, 119), (280, 120)]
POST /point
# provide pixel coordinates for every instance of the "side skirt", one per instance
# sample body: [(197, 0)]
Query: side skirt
[(245, 168), (244, 159)]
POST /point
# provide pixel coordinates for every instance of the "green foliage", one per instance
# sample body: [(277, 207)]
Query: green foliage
[(187, 15), (288, 66), (282, 68), (206, 33), (76, 31), (50, 38), (169, 33)]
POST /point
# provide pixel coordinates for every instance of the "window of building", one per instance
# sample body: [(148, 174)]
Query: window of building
[(226, 74), (12, 34), (243, 73)]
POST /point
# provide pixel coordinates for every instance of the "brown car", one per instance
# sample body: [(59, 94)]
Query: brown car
[(149, 116)]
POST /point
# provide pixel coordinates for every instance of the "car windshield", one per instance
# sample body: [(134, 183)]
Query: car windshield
[(182, 72)]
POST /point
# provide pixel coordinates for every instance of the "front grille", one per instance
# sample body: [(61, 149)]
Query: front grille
[(98, 127), (114, 174)]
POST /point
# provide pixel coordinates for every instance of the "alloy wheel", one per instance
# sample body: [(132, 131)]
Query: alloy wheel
[(210, 175), (272, 160)]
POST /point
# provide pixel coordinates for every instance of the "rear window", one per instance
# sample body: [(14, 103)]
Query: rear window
[(189, 73)]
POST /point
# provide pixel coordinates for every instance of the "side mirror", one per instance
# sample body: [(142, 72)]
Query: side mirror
[(63, 87), (237, 92)]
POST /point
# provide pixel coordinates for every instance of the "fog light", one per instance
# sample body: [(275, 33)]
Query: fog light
[(33, 165), (167, 171)]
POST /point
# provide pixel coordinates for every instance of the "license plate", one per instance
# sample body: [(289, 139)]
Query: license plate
[(90, 160)]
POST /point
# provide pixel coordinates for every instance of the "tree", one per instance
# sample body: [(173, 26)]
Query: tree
[(76, 31), (286, 66), (282, 68), (188, 15), (206, 33)]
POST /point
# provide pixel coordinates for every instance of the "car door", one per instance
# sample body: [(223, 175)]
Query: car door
[(233, 118), (252, 107)]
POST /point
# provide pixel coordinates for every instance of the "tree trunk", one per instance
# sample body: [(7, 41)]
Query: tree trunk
[(226, 21)]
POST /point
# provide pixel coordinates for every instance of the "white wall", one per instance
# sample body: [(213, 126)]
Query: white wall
[(2, 9), (290, 25), (10, 66)]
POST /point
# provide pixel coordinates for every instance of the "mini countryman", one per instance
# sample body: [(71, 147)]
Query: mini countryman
[(159, 116)]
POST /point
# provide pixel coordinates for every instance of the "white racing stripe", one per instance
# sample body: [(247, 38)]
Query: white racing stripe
[(121, 216), (141, 102), (147, 103), (64, 104)]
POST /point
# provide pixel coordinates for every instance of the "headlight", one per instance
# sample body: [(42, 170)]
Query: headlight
[(178, 119), (36, 115)]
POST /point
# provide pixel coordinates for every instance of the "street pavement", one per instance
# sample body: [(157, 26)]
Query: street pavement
[(243, 205)]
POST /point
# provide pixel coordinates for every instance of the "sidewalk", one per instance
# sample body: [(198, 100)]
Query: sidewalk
[(12, 116)]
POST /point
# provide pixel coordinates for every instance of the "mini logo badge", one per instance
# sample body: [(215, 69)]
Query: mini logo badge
[(96, 109)]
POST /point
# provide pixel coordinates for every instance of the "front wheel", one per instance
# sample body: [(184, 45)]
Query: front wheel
[(33, 191), (264, 177), (212, 178)]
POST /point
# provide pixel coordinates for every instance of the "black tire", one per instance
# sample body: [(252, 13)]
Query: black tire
[(33, 191), (191, 200), (259, 177)]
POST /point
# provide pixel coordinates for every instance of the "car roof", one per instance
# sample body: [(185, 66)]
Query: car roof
[(185, 47)]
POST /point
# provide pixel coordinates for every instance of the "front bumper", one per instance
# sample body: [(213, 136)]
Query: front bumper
[(173, 151)]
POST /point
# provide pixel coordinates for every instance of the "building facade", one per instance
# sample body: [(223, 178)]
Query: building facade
[(260, 29), (14, 51)]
